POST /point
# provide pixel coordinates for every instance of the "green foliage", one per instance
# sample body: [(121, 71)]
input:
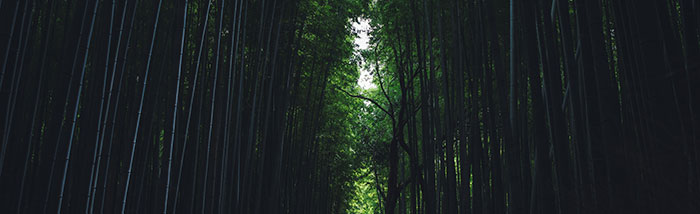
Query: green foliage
[(365, 199)]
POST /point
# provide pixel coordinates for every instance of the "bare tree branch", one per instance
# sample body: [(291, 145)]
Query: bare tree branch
[(371, 101), (381, 83)]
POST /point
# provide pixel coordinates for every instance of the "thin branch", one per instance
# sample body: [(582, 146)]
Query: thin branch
[(379, 78), (370, 100)]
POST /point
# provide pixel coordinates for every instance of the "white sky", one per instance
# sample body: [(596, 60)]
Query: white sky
[(362, 43)]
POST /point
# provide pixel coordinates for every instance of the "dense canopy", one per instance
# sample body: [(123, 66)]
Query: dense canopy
[(350, 106)]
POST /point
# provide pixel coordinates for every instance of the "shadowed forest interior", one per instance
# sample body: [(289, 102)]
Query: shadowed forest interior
[(350, 106)]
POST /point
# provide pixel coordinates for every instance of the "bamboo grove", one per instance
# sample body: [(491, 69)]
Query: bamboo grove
[(192, 106), (561, 106), (254, 106)]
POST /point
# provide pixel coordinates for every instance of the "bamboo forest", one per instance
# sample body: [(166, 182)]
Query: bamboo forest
[(350, 106)]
